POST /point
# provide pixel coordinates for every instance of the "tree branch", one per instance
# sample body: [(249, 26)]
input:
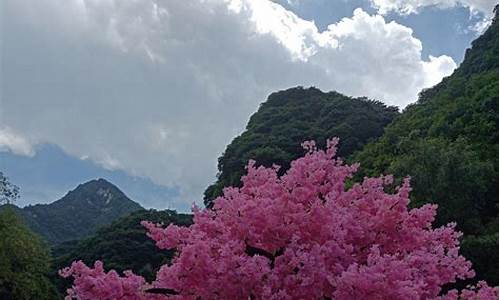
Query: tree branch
[(162, 291)]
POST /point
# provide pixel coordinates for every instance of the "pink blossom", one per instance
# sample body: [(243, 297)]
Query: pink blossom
[(300, 236)]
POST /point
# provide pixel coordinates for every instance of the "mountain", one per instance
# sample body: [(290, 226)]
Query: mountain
[(79, 213), (122, 245), (275, 132), (448, 143)]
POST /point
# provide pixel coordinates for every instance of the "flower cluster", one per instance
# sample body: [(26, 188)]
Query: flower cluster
[(303, 235)]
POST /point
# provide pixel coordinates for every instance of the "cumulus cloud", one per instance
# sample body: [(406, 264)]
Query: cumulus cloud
[(158, 88), (414, 6)]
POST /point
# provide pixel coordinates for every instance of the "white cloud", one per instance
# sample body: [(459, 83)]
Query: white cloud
[(481, 24), (158, 88), (414, 6), (435, 67), (481, 11), (10, 141)]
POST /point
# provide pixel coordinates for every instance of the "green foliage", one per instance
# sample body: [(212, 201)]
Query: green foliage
[(274, 133), (123, 245), (79, 213), (448, 143), (24, 261), (482, 250)]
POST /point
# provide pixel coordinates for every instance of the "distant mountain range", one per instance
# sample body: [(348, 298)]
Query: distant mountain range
[(79, 213)]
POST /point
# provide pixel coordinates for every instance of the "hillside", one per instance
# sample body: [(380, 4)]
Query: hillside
[(79, 213), (274, 133), (24, 261), (122, 245), (448, 143)]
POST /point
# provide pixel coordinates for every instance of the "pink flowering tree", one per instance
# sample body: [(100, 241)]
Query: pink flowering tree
[(299, 236)]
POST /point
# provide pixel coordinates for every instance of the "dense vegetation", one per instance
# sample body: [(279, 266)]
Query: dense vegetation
[(122, 245), (24, 258), (24, 261), (448, 143), (79, 213), (274, 133)]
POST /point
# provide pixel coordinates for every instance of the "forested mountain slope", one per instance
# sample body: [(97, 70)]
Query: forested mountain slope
[(275, 132), (79, 213), (24, 260), (448, 143)]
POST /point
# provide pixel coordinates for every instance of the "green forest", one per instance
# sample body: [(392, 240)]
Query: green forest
[(448, 143), (275, 132)]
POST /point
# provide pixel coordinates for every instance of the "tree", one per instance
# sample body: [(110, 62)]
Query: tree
[(8, 192), (299, 236), (24, 261)]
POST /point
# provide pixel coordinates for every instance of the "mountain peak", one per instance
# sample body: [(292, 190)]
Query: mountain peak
[(274, 133), (483, 55), (80, 212), (99, 192), (96, 184)]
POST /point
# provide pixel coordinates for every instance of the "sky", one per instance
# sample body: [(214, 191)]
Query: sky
[(148, 93)]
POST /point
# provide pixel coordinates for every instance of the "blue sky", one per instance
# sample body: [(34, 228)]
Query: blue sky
[(442, 31), (147, 94)]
